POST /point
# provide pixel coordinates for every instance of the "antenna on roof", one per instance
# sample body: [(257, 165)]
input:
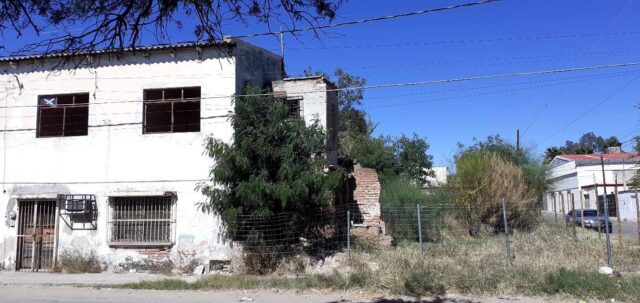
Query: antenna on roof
[(281, 43)]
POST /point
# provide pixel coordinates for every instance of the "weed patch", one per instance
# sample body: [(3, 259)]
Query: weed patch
[(76, 260)]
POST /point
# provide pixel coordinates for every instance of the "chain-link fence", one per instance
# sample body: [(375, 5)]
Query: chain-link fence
[(517, 230)]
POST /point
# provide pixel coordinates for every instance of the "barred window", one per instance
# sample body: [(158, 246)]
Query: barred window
[(142, 221), (172, 110), (63, 115)]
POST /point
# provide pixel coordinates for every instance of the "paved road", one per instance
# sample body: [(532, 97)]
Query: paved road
[(55, 294), (629, 229)]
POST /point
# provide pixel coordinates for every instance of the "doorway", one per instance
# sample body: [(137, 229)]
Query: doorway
[(36, 235)]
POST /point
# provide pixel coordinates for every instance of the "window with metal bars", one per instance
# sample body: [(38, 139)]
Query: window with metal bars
[(63, 115), (142, 221), (171, 110)]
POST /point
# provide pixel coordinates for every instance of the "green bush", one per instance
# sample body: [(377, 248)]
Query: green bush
[(423, 282), (399, 196)]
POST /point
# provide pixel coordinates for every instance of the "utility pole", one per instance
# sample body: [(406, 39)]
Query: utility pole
[(606, 214), (518, 139)]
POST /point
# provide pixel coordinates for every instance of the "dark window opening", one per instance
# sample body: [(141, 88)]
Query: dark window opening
[(293, 105), (63, 115), (172, 110), (142, 221)]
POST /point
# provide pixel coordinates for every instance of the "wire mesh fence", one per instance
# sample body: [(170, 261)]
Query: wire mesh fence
[(515, 227)]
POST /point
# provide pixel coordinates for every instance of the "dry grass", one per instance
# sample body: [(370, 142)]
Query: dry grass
[(545, 261), (478, 265), (77, 260)]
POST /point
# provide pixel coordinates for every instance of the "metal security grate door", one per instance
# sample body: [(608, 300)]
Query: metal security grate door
[(36, 234)]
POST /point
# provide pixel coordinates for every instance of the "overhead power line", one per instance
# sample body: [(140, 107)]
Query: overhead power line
[(383, 18), (483, 40), (405, 84), (605, 99)]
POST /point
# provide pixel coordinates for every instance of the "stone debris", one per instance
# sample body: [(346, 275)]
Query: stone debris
[(605, 270)]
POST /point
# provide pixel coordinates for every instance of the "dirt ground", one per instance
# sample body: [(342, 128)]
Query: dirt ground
[(55, 287), (50, 294)]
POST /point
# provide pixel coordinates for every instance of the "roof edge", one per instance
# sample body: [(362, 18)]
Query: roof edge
[(228, 43)]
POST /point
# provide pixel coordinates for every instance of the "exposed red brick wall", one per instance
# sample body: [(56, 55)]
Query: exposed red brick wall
[(367, 189), (156, 254)]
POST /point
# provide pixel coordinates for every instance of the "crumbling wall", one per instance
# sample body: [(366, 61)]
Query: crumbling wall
[(366, 199)]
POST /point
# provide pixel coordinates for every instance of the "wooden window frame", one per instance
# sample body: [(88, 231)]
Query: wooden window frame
[(173, 111), (64, 108)]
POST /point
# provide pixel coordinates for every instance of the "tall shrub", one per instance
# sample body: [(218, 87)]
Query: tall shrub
[(481, 181), (275, 164)]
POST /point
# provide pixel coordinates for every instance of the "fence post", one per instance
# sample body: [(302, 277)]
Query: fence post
[(638, 214), (606, 215), (555, 210), (564, 213), (615, 190), (582, 208), (506, 232), (597, 207), (420, 230), (349, 235), (574, 214)]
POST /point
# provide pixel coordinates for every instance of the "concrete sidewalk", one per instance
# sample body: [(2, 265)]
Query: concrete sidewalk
[(61, 279)]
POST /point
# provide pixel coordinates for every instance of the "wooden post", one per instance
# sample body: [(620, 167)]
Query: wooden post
[(564, 213), (555, 212), (638, 214), (597, 208), (582, 208), (615, 191), (573, 212)]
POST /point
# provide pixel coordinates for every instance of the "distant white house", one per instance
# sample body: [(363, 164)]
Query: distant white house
[(577, 178), (439, 178)]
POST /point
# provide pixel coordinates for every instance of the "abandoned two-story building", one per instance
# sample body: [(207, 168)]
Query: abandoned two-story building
[(106, 155)]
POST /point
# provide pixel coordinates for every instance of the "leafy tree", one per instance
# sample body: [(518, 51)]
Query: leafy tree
[(534, 173), (552, 152), (275, 164), (588, 143), (117, 24), (412, 159), (377, 153)]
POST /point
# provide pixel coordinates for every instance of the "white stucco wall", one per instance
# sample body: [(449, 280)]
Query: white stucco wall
[(628, 207), (439, 178), (570, 179), (317, 104), (119, 160)]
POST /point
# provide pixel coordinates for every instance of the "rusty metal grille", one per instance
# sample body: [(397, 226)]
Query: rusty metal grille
[(36, 235), (142, 221)]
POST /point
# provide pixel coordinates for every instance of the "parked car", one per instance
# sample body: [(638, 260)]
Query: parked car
[(591, 219)]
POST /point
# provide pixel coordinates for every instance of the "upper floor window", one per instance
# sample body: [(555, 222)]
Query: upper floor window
[(172, 110), (63, 115)]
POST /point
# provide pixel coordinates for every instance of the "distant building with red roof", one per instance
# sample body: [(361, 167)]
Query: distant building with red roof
[(576, 178)]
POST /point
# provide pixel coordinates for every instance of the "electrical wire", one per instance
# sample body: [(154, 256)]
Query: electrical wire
[(383, 18), (605, 99)]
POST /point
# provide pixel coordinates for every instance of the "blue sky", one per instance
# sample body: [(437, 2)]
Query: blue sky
[(504, 37)]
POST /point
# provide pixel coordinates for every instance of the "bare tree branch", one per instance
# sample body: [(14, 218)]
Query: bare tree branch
[(123, 24)]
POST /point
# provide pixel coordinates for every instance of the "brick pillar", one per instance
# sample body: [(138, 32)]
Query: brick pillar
[(366, 196)]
